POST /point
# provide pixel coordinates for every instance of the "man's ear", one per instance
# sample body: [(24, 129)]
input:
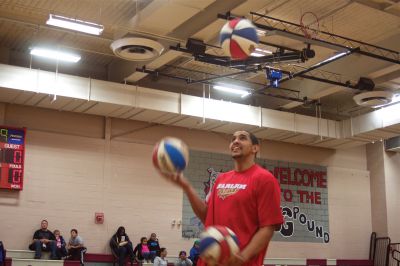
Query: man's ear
[(256, 148)]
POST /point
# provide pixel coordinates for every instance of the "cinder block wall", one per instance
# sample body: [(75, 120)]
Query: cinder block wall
[(72, 171)]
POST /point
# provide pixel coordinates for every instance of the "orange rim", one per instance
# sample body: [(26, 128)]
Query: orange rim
[(309, 33)]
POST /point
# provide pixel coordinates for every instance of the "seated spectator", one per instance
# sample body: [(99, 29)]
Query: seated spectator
[(161, 260), (2, 254), (142, 251), (43, 240), (154, 246), (183, 260), (61, 250), (195, 252), (121, 246), (75, 246)]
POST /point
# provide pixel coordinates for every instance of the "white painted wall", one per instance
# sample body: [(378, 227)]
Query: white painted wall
[(376, 166), (392, 177), (72, 172), (384, 167)]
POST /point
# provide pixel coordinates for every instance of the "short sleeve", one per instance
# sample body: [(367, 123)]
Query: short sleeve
[(51, 236), (268, 195), (36, 235)]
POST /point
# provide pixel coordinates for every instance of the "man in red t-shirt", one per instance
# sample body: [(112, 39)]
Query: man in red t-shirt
[(246, 199)]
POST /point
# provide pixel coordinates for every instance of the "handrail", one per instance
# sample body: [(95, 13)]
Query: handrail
[(393, 255), (372, 246), (382, 251)]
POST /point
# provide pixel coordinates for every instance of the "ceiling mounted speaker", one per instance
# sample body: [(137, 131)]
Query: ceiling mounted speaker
[(136, 49), (196, 46), (365, 84), (373, 98)]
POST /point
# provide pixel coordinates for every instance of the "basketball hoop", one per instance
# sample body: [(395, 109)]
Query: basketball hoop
[(309, 25)]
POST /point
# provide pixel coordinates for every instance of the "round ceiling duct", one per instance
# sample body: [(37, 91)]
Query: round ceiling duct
[(136, 49), (373, 98)]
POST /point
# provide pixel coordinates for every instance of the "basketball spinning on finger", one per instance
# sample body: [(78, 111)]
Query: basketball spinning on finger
[(170, 156), (218, 244)]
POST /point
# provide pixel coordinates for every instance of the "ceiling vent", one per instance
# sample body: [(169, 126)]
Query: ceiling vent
[(393, 144), (136, 49), (373, 98)]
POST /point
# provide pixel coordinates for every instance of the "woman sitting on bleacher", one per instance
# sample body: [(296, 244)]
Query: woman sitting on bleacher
[(121, 246)]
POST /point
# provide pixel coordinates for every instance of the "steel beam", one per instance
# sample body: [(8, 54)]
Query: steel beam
[(347, 43)]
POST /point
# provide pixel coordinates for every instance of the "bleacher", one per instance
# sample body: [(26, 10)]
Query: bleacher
[(25, 258)]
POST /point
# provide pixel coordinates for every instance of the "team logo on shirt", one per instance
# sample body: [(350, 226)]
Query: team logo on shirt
[(226, 190)]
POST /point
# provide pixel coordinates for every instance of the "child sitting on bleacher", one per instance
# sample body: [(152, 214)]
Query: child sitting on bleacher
[(154, 246), (161, 260), (142, 250), (183, 260), (195, 252), (61, 250), (75, 246)]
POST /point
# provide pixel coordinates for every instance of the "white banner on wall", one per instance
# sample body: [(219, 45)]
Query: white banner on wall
[(304, 197)]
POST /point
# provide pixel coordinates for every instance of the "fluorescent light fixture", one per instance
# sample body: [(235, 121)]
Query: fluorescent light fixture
[(396, 98), (57, 55), (260, 52), (242, 93), (75, 24), (334, 57), (255, 54), (261, 32), (264, 51)]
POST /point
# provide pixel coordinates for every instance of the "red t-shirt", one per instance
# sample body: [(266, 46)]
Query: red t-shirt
[(244, 202)]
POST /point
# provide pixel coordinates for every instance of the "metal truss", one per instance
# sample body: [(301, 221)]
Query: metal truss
[(322, 76), (327, 39)]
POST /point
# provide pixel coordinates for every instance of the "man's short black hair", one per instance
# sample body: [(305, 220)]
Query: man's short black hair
[(74, 230), (254, 139)]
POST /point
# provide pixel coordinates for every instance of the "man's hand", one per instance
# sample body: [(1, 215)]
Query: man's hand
[(123, 243), (176, 178), (236, 260)]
